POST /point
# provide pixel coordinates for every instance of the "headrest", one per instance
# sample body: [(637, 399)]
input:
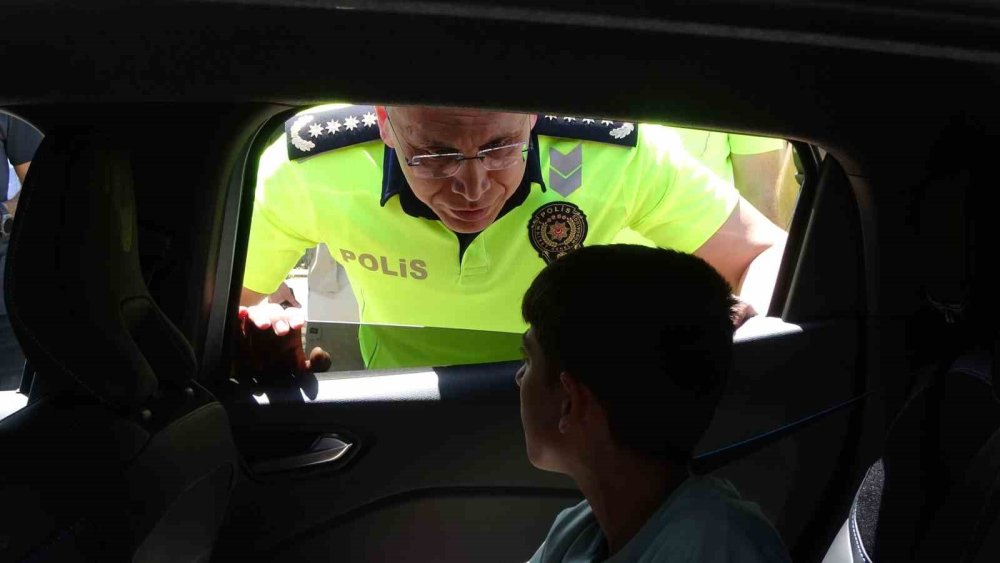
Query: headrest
[(74, 288)]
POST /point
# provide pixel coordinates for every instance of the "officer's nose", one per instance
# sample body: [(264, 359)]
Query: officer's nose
[(471, 181), (519, 376)]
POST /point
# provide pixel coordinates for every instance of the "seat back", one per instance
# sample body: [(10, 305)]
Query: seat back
[(119, 453), (929, 451), (932, 447), (915, 503)]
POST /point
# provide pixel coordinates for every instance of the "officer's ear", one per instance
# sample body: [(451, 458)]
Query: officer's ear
[(383, 127)]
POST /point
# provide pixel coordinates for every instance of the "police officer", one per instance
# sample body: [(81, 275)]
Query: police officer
[(442, 217)]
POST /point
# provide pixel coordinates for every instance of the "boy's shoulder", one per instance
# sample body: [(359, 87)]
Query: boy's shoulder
[(575, 529), (705, 519), (708, 521)]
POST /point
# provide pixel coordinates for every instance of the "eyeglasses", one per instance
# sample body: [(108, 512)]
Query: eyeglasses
[(446, 165)]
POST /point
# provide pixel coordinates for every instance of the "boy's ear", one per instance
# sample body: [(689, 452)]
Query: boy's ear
[(580, 408), (573, 404)]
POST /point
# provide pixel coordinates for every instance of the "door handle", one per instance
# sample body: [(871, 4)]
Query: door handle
[(328, 448)]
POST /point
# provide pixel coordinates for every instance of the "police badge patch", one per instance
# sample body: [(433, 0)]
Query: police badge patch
[(557, 228)]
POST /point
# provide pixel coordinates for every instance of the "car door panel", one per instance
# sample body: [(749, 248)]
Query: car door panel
[(432, 445), (436, 525), (424, 457)]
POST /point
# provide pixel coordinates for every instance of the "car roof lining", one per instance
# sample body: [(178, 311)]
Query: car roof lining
[(682, 71)]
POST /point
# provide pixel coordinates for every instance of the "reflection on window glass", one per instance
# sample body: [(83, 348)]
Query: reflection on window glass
[(440, 218)]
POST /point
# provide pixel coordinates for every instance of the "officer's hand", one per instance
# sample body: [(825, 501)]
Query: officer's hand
[(270, 343), (284, 295)]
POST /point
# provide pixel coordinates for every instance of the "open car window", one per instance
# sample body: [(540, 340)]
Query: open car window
[(387, 282)]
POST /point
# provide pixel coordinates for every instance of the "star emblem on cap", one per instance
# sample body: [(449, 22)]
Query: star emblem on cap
[(315, 130), (351, 123), (333, 126), (369, 119)]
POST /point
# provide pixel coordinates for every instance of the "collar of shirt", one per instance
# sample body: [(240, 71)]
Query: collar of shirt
[(394, 184)]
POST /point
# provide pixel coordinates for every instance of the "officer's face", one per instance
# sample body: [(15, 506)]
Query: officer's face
[(469, 201)]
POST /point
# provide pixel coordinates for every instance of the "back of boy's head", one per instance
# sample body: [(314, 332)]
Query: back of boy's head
[(647, 330)]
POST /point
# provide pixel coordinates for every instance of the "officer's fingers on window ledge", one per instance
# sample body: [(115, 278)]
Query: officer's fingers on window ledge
[(295, 317), (259, 316), (281, 327), (274, 311), (268, 315)]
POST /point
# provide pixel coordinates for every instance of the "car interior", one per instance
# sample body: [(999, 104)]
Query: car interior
[(860, 416)]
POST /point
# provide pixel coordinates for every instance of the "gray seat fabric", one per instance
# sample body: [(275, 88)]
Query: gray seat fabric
[(915, 503), (932, 495), (119, 454)]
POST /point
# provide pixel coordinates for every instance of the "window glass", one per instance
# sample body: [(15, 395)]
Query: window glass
[(409, 235), (18, 142)]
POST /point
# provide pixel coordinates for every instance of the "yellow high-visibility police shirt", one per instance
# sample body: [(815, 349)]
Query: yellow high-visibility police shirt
[(715, 149), (408, 268)]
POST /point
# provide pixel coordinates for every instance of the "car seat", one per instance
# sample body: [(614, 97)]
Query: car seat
[(119, 454), (934, 495)]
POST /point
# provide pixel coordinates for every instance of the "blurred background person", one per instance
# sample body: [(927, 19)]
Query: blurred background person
[(18, 143)]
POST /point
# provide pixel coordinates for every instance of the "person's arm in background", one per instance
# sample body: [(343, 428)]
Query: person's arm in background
[(282, 227), (11, 204), (757, 163), (789, 187), (21, 170), (747, 251), (21, 143), (284, 294), (683, 205)]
